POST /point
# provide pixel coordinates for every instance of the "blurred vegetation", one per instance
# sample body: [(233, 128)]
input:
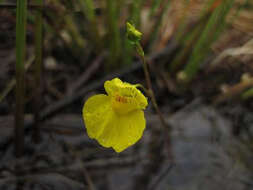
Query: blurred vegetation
[(75, 33), (99, 26)]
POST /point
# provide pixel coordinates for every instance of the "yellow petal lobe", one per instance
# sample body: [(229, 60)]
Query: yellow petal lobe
[(123, 131), (125, 97), (95, 115)]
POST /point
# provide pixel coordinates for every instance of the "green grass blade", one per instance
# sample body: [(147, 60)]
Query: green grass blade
[(214, 26), (135, 16), (87, 8), (158, 24), (38, 42), (38, 68), (135, 19), (188, 43), (113, 32), (182, 29), (21, 19)]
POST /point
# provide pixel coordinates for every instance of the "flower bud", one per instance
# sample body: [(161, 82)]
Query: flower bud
[(133, 34)]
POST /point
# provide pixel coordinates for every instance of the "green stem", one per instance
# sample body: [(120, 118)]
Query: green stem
[(21, 16), (149, 85), (38, 69), (166, 126)]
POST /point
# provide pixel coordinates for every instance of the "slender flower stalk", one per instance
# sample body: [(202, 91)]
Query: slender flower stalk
[(149, 85), (135, 36)]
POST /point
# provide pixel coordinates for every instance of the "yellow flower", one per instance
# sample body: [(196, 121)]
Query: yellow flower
[(116, 120)]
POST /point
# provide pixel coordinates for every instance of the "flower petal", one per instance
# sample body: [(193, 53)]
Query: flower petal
[(123, 131), (95, 114), (127, 92)]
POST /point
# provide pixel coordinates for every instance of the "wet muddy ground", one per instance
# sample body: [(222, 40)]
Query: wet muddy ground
[(202, 154)]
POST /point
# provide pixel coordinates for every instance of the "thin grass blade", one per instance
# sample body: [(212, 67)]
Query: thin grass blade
[(21, 19)]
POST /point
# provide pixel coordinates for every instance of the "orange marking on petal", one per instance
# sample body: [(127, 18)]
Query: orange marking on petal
[(121, 99)]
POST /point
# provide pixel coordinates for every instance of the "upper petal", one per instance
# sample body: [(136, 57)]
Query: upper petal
[(95, 114), (125, 95)]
